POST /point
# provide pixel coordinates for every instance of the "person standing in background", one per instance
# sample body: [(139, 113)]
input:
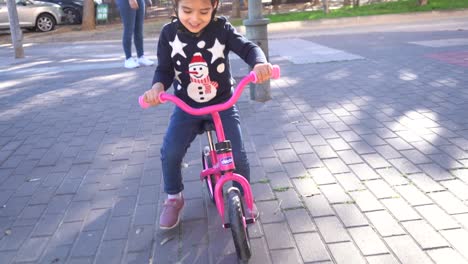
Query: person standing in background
[(132, 13)]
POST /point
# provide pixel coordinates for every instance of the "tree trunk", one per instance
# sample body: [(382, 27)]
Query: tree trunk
[(346, 2), (316, 3), (89, 21), (422, 2), (276, 4), (236, 8), (356, 3), (326, 8), (16, 33)]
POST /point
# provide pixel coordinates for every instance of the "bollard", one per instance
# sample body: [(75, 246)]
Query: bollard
[(256, 31)]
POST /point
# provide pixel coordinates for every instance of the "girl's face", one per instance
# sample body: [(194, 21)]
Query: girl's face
[(195, 15)]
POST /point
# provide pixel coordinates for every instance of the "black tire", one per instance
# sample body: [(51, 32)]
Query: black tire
[(72, 16), (206, 161), (45, 23), (240, 234)]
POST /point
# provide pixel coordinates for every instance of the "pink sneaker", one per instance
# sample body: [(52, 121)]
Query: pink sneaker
[(170, 214)]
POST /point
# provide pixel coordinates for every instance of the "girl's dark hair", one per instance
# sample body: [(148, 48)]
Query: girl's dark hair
[(213, 2)]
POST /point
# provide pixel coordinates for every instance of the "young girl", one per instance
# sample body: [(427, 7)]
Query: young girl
[(193, 57)]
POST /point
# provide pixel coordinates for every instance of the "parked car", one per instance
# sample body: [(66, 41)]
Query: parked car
[(37, 15), (73, 9)]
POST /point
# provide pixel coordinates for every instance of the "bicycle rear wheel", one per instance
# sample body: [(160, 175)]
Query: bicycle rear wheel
[(239, 230), (210, 185)]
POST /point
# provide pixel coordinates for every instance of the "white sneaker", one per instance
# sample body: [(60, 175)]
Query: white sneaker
[(143, 61), (131, 63)]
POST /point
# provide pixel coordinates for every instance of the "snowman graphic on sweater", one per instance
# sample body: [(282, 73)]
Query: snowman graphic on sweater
[(201, 89)]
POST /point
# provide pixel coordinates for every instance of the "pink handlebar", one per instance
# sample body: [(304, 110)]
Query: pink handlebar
[(252, 77)]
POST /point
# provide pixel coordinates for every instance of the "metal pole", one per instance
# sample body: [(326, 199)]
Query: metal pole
[(256, 31), (16, 33)]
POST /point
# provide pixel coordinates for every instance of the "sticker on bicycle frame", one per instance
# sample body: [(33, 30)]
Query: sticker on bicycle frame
[(226, 161)]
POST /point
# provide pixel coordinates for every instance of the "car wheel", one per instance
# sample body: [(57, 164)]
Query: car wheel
[(45, 22), (71, 16)]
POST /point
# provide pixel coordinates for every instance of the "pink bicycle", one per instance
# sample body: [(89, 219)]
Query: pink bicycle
[(218, 167)]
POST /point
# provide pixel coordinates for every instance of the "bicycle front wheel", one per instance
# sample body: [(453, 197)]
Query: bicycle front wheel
[(239, 230)]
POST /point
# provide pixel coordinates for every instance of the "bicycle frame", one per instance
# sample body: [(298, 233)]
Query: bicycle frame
[(223, 171)]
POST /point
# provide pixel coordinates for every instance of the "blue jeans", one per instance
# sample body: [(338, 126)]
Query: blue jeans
[(182, 130), (132, 26)]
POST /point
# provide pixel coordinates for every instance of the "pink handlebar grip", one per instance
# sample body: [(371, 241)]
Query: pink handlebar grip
[(275, 74), (143, 104)]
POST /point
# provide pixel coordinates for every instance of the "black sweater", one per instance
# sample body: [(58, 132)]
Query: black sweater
[(198, 66)]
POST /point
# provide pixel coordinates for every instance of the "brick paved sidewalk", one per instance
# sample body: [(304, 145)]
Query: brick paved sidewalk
[(353, 161)]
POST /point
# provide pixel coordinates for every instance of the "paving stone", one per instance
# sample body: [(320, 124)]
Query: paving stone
[(361, 147), (311, 247), (321, 176), (424, 234), (382, 259), (287, 155), (446, 255), (305, 186), (336, 165), (47, 225), (275, 230), (32, 249), (325, 152), (289, 199), (96, 220), (449, 202), (368, 240), (364, 172), (366, 201), (16, 238), (55, 254), (299, 221), (425, 183), (346, 253), (457, 187), (404, 166), (385, 224), (388, 152), (111, 251), (262, 192), (295, 170), (349, 156), (457, 238), (462, 219), (318, 206), (350, 182), (437, 217), (335, 194), (270, 212), (400, 209), (66, 233), (399, 144), (331, 229), (375, 161), (310, 160), (279, 180), (407, 250), (260, 251), (350, 215), (380, 189), (117, 228), (286, 256), (436, 172), (412, 195)]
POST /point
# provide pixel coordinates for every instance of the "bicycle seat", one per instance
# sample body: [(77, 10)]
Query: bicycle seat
[(208, 126)]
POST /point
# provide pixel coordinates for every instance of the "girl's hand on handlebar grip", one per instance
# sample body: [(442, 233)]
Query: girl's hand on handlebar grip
[(152, 95), (263, 71)]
